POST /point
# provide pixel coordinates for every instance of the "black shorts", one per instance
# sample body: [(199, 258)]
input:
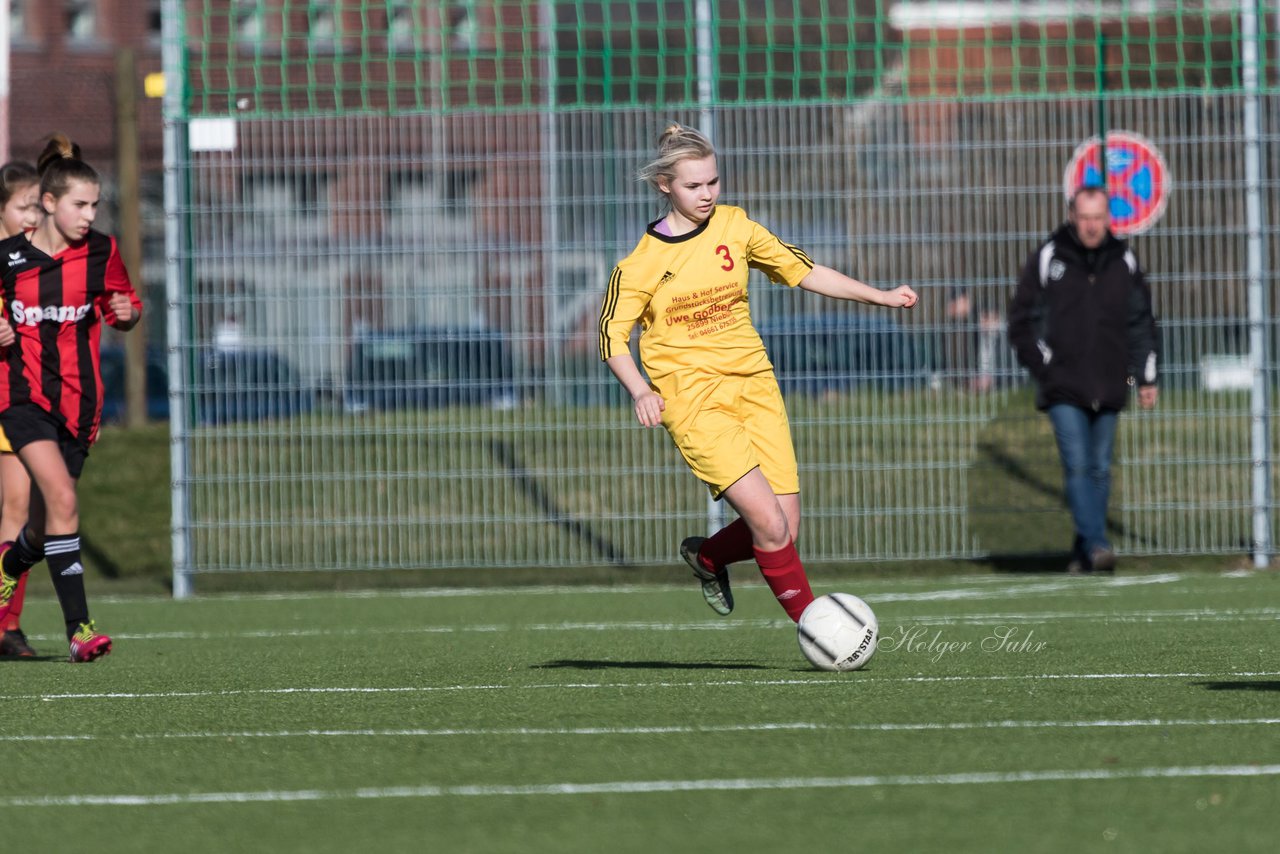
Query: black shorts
[(27, 423)]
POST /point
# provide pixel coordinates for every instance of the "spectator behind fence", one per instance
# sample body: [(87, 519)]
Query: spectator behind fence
[(1081, 323), (960, 341), (973, 339)]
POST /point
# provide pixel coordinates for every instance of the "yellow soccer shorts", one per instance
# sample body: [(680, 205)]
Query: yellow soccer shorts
[(5, 447), (726, 426)]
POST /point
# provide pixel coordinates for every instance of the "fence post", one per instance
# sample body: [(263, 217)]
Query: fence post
[(1258, 337), (176, 261), (129, 231)]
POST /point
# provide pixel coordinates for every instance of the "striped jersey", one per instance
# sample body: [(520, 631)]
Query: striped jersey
[(55, 306), (689, 295)]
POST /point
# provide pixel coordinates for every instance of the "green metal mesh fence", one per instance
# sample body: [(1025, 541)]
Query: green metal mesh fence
[(308, 57), (385, 272)]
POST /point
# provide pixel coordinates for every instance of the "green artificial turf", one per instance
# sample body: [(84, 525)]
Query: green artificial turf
[(1134, 714)]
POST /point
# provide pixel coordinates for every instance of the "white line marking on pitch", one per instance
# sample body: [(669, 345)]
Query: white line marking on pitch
[(445, 630), (816, 682), (999, 588), (631, 787), (801, 726), (1026, 589), (1190, 614)]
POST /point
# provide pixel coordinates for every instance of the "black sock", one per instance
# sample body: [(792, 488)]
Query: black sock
[(62, 551), (21, 557)]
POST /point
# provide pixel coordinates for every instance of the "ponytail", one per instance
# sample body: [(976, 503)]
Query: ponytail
[(676, 144), (60, 165)]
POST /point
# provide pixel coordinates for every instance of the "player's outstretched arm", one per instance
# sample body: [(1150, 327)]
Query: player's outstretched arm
[(648, 403), (833, 283)]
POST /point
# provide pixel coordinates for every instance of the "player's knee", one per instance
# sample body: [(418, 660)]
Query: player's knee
[(772, 535), (62, 511), (15, 507)]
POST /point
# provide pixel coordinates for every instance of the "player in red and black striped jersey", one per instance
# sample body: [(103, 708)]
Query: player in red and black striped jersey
[(19, 212), (59, 282), (54, 304)]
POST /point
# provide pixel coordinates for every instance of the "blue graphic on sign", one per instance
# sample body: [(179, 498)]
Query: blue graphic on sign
[(1137, 181)]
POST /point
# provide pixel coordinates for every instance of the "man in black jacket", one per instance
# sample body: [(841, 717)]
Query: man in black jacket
[(1081, 323)]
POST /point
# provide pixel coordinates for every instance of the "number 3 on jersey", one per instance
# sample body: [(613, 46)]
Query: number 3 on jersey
[(723, 252)]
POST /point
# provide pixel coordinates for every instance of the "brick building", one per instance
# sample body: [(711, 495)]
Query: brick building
[(62, 75)]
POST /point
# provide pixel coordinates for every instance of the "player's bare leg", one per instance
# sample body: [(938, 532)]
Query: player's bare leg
[(55, 523), (769, 518), (15, 486)]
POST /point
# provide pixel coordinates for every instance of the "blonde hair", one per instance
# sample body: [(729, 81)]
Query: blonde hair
[(677, 143), (60, 164)]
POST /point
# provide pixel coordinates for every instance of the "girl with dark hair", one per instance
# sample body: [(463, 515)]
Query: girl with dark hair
[(19, 213), (59, 283)]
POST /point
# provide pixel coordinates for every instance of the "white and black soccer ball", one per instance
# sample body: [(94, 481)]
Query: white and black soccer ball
[(838, 632)]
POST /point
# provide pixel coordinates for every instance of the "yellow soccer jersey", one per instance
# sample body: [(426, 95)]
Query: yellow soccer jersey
[(689, 295)]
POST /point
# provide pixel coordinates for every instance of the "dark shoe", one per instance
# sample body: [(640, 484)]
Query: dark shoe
[(14, 645), (1103, 560), (715, 585)]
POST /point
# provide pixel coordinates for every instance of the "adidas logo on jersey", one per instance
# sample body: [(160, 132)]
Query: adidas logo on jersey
[(32, 315)]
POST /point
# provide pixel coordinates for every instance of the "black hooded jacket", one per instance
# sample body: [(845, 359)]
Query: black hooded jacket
[(1081, 322)]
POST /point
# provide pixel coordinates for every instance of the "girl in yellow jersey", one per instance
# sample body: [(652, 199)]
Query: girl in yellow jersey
[(710, 383)]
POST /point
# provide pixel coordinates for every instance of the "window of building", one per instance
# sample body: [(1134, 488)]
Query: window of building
[(249, 20), (82, 20), (154, 21), (324, 26), (17, 20), (402, 27), (452, 25), (461, 25)]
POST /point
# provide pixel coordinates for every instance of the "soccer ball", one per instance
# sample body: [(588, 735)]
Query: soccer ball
[(838, 632)]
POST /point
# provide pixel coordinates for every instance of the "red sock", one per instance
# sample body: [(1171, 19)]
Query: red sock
[(730, 544), (15, 604), (785, 576)]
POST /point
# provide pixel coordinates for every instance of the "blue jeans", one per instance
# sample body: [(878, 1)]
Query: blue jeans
[(1085, 439)]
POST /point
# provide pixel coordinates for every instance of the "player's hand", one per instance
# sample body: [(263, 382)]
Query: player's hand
[(649, 408), (900, 297), (121, 306), (1147, 395), (7, 335)]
